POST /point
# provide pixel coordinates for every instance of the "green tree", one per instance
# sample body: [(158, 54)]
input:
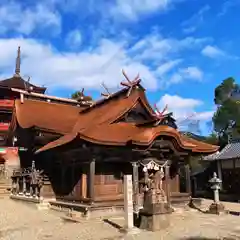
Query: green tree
[(78, 95), (212, 139), (226, 119)]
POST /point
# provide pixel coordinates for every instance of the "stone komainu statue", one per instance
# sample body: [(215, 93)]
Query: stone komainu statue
[(36, 181)]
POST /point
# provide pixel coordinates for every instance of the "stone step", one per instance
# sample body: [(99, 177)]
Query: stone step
[(3, 188)]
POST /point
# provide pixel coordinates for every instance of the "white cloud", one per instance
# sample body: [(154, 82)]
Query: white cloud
[(184, 108), (175, 78), (91, 66), (155, 46), (15, 17), (117, 10), (191, 25), (73, 70), (74, 39), (227, 5), (192, 73), (212, 52), (133, 9), (203, 115), (167, 66), (189, 73)]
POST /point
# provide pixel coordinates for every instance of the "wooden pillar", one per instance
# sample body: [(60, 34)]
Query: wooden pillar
[(219, 170), (167, 182), (83, 185), (91, 180), (135, 187), (188, 178), (62, 177)]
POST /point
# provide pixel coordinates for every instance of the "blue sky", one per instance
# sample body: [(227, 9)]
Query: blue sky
[(182, 49)]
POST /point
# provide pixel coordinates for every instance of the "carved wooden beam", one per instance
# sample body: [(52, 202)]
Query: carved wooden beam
[(168, 144)]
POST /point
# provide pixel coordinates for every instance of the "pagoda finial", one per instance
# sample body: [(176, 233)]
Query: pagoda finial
[(18, 62)]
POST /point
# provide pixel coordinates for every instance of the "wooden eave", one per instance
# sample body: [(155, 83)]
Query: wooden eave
[(123, 134), (50, 117), (97, 124)]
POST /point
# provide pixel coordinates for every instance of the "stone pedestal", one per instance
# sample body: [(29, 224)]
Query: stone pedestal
[(156, 218), (216, 208)]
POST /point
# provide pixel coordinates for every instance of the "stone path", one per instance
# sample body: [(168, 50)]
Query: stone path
[(20, 221)]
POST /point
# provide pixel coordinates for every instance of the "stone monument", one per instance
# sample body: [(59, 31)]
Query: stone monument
[(216, 207), (128, 202), (155, 213)]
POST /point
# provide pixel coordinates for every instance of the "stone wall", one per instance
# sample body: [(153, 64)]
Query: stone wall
[(12, 162)]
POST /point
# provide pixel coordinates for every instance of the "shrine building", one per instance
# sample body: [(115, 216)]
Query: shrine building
[(84, 151)]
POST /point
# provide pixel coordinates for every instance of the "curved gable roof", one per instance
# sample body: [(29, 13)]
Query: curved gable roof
[(53, 117), (96, 124)]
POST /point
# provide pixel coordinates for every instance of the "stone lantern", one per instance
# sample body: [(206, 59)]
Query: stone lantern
[(216, 207)]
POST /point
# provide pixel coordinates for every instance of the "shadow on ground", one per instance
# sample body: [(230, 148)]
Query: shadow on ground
[(203, 238), (194, 206)]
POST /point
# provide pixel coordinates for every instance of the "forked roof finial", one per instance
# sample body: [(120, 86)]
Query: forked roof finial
[(18, 62), (160, 115), (130, 84), (107, 94)]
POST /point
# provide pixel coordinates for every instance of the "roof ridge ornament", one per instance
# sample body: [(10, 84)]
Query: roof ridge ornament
[(108, 93), (160, 115), (84, 99), (81, 96), (130, 84), (18, 63)]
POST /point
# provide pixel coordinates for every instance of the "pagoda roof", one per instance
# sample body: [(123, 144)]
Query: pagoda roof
[(16, 81), (19, 83), (230, 151), (99, 124)]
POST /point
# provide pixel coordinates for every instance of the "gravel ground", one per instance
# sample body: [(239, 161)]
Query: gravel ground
[(20, 221)]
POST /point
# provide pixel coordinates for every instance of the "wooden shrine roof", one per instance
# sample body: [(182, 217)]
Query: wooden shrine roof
[(230, 151), (53, 117), (98, 124)]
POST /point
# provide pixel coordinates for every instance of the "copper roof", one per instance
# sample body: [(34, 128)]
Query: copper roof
[(97, 124), (54, 117), (120, 134)]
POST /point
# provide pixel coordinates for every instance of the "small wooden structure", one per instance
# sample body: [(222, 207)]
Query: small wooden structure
[(227, 165), (86, 151)]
